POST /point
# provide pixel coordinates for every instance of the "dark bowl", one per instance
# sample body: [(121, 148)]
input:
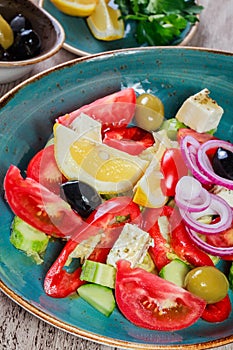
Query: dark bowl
[(48, 28)]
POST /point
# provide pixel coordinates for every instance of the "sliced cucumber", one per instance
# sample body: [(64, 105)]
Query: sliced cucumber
[(175, 272), (98, 273), (28, 239), (100, 297)]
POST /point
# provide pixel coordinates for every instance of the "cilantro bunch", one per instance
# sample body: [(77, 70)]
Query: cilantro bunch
[(159, 22)]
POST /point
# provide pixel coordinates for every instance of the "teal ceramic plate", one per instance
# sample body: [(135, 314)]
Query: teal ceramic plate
[(80, 41), (26, 117)]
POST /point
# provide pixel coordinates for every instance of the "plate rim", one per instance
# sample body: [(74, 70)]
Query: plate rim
[(101, 339), (80, 52)]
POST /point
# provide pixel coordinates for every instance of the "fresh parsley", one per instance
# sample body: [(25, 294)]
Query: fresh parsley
[(159, 22)]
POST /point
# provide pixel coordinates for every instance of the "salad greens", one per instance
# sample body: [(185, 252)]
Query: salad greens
[(159, 22)]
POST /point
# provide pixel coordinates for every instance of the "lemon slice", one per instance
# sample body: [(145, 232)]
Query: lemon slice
[(104, 23), (107, 169), (80, 8), (6, 34)]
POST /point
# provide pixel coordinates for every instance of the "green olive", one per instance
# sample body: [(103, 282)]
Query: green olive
[(208, 283), (6, 34), (149, 113)]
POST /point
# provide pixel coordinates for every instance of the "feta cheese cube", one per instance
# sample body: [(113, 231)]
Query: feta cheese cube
[(131, 245), (200, 112)]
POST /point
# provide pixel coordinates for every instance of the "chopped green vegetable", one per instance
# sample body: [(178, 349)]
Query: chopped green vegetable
[(159, 22), (147, 264), (28, 239), (172, 126), (100, 297), (98, 273), (175, 272)]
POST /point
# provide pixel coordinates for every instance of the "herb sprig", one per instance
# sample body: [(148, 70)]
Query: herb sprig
[(159, 22)]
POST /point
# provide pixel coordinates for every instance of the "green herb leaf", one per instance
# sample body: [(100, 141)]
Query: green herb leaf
[(159, 22)]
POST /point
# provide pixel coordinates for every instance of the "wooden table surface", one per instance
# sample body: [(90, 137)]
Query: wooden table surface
[(19, 330)]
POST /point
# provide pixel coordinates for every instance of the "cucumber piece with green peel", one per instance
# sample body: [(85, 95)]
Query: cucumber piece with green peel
[(99, 297), (28, 239), (98, 273), (175, 272)]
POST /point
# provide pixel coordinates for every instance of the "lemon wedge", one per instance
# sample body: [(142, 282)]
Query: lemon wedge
[(107, 169), (104, 22), (80, 8), (148, 191), (6, 34)]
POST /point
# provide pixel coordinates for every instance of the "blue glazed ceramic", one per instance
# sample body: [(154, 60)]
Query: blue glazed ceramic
[(26, 117), (80, 41)]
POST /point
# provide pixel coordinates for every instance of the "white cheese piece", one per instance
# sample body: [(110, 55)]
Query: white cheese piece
[(224, 193), (200, 112), (131, 245), (84, 249), (86, 126)]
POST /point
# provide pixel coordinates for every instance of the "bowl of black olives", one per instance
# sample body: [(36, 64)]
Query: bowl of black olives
[(28, 35)]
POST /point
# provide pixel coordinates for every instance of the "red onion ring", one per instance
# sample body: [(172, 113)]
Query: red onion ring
[(205, 166), (191, 196), (218, 205), (216, 251), (189, 147)]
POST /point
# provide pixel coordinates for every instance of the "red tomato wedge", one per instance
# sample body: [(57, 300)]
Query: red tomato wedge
[(200, 137), (173, 168), (114, 110), (38, 206), (151, 302), (131, 140), (222, 239), (43, 169), (217, 312)]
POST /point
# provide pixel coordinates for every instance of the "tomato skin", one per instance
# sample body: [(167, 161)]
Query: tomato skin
[(222, 239), (178, 241), (142, 298), (183, 246), (217, 312), (43, 169), (173, 168), (200, 137), (161, 247), (114, 110), (31, 201), (132, 140), (58, 282)]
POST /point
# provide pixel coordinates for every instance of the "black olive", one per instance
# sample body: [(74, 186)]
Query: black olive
[(26, 45), (82, 197), (19, 23), (223, 163)]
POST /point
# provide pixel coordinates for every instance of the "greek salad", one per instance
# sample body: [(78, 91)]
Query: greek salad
[(143, 204)]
